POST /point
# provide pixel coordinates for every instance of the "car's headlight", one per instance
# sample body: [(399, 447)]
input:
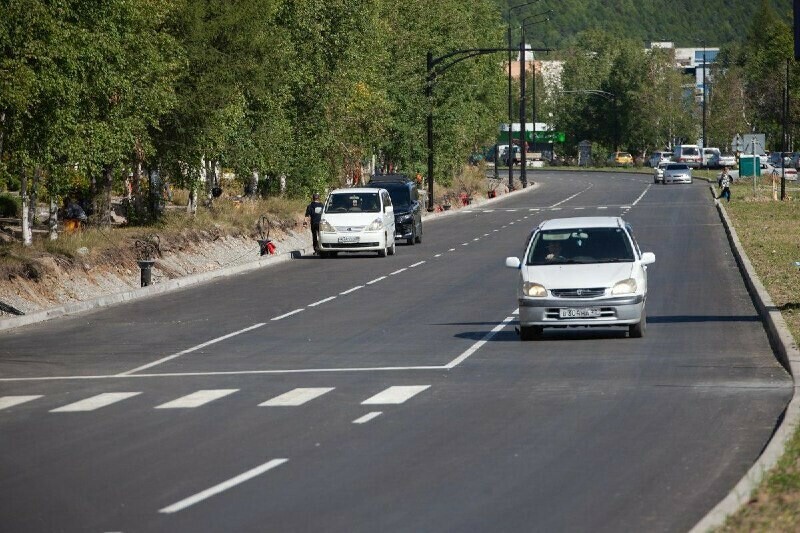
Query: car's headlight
[(326, 226), (626, 286), (405, 218), (375, 225), (533, 289)]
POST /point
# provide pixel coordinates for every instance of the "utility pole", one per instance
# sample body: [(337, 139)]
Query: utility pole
[(523, 174)]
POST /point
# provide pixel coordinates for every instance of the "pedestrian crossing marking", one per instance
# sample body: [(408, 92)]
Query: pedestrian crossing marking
[(11, 401), (196, 399), (296, 397), (95, 402), (395, 395)]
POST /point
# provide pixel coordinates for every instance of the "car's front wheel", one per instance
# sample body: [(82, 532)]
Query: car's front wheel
[(530, 333), (636, 331)]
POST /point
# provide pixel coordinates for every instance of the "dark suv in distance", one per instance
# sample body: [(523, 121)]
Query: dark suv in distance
[(407, 207)]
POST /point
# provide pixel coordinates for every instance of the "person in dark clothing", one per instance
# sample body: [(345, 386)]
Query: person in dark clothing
[(314, 216)]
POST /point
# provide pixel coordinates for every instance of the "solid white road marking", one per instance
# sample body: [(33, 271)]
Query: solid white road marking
[(418, 263), (579, 208), (296, 397), (95, 402), (196, 399), (290, 313), (192, 349), (642, 195), (398, 271), (348, 291), (475, 347), (376, 280), (367, 417), (565, 200), (602, 207), (438, 255), (395, 395), (11, 401), (322, 301), (225, 485)]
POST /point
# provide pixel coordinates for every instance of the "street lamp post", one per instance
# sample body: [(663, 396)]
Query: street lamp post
[(510, 109)]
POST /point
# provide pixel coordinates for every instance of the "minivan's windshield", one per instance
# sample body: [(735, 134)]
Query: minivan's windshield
[(580, 246), (359, 202)]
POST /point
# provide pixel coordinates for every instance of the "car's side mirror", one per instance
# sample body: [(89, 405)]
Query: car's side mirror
[(514, 262), (648, 258)]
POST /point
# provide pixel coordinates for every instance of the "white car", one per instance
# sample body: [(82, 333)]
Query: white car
[(723, 160), (658, 172), (357, 220), (582, 271), (677, 173), (658, 157)]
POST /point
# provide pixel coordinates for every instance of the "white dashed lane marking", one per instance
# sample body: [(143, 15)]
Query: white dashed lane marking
[(197, 399), (367, 417), (376, 280), (398, 271), (296, 397), (290, 313), (395, 395), (95, 402), (348, 291), (418, 264), (11, 401), (324, 300)]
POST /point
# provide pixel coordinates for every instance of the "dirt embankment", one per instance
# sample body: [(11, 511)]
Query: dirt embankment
[(48, 281)]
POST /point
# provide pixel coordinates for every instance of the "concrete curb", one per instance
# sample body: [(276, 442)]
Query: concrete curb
[(135, 294), (788, 354)]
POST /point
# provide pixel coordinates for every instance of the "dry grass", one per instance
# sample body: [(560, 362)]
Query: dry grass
[(769, 233)]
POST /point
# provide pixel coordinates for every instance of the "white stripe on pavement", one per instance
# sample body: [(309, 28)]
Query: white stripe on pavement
[(225, 485), (296, 397), (322, 301), (376, 280), (475, 347), (11, 401), (416, 264), (395, 395), (398, 271), (196, 399), (348, 291), (290, 313), (367, 417), (95, 402)]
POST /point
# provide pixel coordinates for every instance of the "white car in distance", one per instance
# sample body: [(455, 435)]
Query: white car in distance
[(582, 272), (677, 173), (357, 220)]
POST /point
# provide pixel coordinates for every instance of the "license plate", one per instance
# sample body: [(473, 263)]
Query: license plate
[(587, 312), (348, 239)]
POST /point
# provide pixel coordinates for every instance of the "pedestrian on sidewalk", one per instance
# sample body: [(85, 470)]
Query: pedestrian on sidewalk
[(725, 183)]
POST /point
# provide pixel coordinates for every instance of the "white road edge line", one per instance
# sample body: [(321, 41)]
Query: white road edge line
[(367, 417), (190, 350), (328, 299), (225, 485)]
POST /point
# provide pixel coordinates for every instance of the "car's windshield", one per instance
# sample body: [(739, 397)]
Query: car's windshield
[(677, 166), (690, 151), (580, 246), (367, 202)]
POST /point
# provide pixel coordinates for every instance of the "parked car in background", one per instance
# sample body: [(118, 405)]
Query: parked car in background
[(723, 160), (688, 154), (677, 173), (658, 157), (708, 155), (581, 272), (406, 204), (779, 171), (357, 220), (658, 171), (620, 159), (777, 159)]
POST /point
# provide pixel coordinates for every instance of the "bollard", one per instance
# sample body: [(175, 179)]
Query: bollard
[(147, 270)]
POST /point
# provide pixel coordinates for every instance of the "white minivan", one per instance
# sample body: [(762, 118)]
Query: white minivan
[(357, 220), (689, 154)]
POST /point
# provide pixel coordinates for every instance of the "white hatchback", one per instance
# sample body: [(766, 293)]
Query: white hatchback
[(357, 220), (582, 271)]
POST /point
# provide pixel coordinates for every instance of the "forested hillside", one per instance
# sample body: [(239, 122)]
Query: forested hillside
[(685, 22)]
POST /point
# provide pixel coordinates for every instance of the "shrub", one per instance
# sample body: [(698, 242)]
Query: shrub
[(10, 206)]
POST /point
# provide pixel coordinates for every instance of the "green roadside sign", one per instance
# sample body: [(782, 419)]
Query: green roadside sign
[(541, 136)]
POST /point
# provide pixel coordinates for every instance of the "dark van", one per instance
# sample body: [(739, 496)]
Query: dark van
[(407, 207)]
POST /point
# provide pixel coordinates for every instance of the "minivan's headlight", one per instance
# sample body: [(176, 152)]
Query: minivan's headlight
[(626, 286), (405, 217), (533, 289), (326, 226), (375, 225)]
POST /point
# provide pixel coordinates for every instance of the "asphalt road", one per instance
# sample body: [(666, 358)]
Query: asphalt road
[(393, 394)]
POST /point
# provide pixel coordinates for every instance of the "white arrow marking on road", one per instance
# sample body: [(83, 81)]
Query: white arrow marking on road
[(225, 485), (95, 402), (11, 401), (296, 397), (196, 399), (395, 395)]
